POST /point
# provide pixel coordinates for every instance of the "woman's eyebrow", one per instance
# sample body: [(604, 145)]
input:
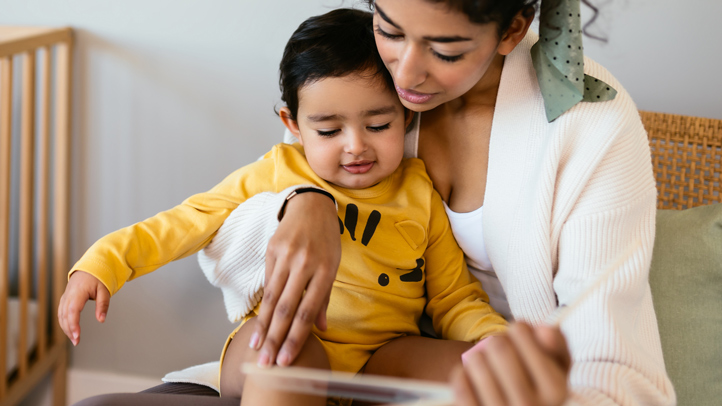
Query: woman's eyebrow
[(443, 38), (385, 17), (447, 39)]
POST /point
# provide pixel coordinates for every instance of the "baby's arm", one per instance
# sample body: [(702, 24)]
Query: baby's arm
[(145, 246), (457, 304)]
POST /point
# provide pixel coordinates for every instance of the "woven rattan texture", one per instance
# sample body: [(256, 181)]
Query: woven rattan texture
[(687, 155)]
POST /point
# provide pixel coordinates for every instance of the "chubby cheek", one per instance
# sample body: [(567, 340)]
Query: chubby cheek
[(321, 165), (393, 158)]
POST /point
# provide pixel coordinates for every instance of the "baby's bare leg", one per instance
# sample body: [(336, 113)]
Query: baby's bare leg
[(235, 384), (418, 358)]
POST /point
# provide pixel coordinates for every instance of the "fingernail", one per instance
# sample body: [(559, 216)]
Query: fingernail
[(75, 336), (263, 359), (102, 318), (254, 341), (283, 358)]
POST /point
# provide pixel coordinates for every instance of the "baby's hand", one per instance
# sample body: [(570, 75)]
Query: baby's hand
[(81, 287)]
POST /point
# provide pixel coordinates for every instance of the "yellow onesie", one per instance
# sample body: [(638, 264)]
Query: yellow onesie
[(399, 257)]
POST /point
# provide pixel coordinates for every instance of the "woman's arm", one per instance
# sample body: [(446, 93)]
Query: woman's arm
[(613, 334), (305, 237), (617, 352), (590, 197), (303, 255)]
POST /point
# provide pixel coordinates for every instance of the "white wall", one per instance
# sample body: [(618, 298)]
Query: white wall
[(666, 53), (172, 95)]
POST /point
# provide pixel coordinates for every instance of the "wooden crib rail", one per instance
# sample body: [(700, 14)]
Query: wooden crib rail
[(35, 244)]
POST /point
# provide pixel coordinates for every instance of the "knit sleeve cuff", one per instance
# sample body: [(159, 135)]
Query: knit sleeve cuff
[(235, 260)]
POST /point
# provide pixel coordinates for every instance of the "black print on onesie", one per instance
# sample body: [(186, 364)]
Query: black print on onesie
[(351, 220), (349, 223), (416, 274)]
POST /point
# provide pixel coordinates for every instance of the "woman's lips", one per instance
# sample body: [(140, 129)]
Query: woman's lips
[(412, 96), (358, 167)]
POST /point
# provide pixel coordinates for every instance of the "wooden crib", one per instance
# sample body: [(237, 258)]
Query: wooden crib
[(34, 199)]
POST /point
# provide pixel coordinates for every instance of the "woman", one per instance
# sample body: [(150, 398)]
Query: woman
[(560, 201)]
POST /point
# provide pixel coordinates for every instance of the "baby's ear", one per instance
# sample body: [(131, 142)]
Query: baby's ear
[(290, 123)]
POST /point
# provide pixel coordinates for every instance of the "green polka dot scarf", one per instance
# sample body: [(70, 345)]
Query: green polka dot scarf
[(559, 60)]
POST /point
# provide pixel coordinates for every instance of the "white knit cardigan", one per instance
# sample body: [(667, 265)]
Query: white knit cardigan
[(562, 201), (235, 260)]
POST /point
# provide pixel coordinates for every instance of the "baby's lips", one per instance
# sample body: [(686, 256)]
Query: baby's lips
[(359, 168)]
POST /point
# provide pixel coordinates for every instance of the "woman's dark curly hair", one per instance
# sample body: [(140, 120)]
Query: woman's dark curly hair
[(501, 12), (335, 44)]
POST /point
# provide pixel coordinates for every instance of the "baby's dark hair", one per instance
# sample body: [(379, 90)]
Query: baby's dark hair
[(334, 44)]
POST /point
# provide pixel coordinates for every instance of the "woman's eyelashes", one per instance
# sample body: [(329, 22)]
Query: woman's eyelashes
[(447, 58), (387, 35), (394, 37)]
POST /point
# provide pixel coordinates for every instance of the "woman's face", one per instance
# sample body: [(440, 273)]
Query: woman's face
[(434, 54)]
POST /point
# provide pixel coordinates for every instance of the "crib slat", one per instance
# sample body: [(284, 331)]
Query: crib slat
[(61, 181), (43, 204), (27, 186), (60, 375), (20, 388), (6, 89), (61, 205)]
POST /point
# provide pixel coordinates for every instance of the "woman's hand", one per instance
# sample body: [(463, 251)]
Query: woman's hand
[(81, 287), (301, 264), (526, 366)]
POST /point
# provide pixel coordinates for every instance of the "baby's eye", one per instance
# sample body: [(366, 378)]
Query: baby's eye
[(379, 128), (326, 133)]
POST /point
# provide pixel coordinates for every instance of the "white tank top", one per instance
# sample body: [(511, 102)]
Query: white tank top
[(468, 232)]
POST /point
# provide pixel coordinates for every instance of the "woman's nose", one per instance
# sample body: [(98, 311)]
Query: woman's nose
[(410, 69)]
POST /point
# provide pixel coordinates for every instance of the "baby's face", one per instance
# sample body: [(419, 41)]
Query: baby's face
[(352, 129)]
